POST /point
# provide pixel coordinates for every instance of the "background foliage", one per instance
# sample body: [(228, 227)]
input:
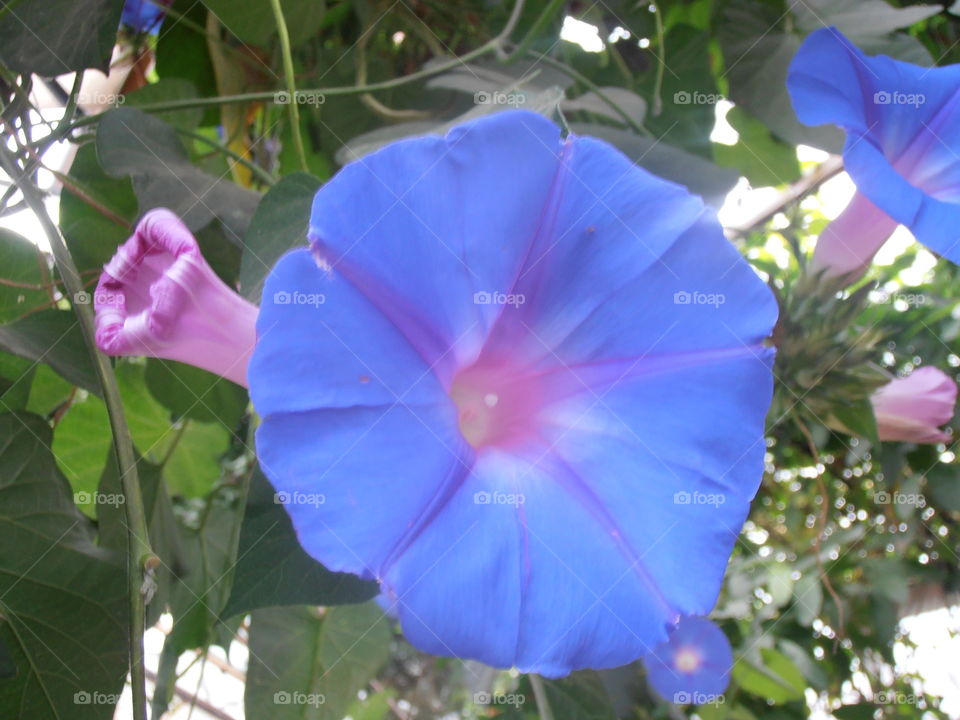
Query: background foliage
[(829, 560)]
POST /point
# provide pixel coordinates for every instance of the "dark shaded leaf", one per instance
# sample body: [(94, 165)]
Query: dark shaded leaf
[(52, 37), (63, 606), (307, 662), (279, 224), (52, 337), (273, 569), (20, 262), (190, 392), (91, 236), (143, 147), (762, 158), (580, 696)]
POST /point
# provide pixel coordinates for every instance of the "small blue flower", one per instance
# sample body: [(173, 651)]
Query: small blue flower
[(144, 16), (903, 142), (530, 380), (693, 665)]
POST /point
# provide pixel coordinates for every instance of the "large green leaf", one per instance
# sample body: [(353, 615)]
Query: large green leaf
[(53, 37), (20, 262), (190, 452), (52, 337), (199, 593), (757, 51), (91, 235), (62, 599), (762, 158), (279, 224), (194, 467), (776, 678), (689, 94), (273, 569), (307, 662), (131, 143), (82, 441), (16, 381), (580, 696), (858, 18), (167, 90), (190, 392)]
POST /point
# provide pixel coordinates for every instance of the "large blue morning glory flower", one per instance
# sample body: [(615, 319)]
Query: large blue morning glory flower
[(903, 143), (528, 380)]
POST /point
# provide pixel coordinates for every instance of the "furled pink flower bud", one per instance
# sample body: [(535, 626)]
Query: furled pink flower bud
[(913, 408), (847, 245), (159, 297)]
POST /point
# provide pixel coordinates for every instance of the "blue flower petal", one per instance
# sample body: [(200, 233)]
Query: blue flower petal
[(427, 226), (143, 15), (693, 665), (357, 482), (903, 131), (674, 483), (521, 569), (322, 344)]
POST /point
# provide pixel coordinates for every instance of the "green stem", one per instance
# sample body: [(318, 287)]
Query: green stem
[(549, 10), (508, 29), (264, 177), (662, 57), (540, 695), (293, 106), (139, 555)]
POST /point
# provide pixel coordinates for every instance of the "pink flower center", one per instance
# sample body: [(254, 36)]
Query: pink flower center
[(687, 660), (497, 405)]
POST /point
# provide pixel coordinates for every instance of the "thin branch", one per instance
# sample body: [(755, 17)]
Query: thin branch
[(293, 106), (829, 168)]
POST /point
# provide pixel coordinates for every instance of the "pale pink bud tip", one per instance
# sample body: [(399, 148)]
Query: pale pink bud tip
[(913, 408)]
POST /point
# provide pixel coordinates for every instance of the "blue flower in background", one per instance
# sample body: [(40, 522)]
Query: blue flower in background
[(902, 149), (144, 15), (529, 381), (693, 665)]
